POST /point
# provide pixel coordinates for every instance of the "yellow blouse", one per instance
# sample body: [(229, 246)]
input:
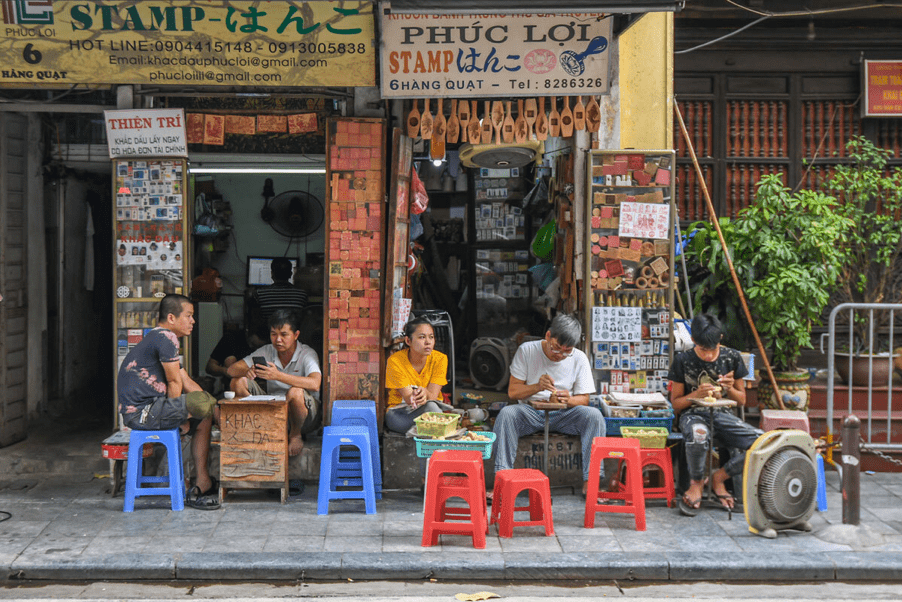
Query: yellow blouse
[(399, 373)]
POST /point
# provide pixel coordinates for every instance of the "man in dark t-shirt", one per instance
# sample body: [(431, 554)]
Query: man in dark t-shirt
[(231, 347), (281, 294), (709, 370), (155, 392)]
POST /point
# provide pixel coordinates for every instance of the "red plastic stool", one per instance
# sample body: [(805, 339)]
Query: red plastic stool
[(509, 484), (616, 448), (784, 419), (468, 484), (661, 459)]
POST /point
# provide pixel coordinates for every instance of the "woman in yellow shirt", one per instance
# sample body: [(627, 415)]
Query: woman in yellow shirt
[(414, 376)]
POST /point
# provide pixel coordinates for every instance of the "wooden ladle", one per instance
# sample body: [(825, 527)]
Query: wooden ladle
[(531, 114), (566, 119), (426, 123), (498, 119), (472, 124), (579, 114), (521, 128), (541, 121), (413, 121), (453, 123), (554, 119), (593, 115), (487, 124)]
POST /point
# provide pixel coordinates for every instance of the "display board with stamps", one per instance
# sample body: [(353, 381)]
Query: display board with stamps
[(149, 251), (629, 269)]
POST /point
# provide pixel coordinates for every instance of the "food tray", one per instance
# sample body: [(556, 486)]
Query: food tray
[(625, 411), (426, 447), (427, 429), (650, 437)]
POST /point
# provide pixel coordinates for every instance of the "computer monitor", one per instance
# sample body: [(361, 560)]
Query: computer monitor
[(259, 270)]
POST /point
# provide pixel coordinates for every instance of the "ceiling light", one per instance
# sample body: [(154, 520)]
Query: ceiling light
[(255, 170)]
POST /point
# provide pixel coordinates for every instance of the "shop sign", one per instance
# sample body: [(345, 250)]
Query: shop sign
[(179, 42), (882, 89), (146, 133), (431, 55)]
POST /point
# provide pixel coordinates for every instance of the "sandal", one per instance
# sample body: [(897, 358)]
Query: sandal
[(727, 501), (204, 500), (690, 507)]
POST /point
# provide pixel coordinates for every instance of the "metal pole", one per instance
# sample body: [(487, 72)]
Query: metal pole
[(851, 474)]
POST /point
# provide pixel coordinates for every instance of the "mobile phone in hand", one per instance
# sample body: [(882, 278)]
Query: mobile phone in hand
[(260, 361)]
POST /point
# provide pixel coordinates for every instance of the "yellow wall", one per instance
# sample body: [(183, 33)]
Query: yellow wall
[(646, 83)]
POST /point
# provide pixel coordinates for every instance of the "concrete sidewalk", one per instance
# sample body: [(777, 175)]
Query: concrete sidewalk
[(65, 526)]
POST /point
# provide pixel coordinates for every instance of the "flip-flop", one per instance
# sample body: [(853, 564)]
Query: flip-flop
[(688, 507), (206, 500), (723, 498)]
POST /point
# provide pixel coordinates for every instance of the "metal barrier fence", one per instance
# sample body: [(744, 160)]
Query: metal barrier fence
[(869, 423)]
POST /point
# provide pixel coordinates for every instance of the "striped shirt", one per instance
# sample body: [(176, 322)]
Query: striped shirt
[(280, 295)]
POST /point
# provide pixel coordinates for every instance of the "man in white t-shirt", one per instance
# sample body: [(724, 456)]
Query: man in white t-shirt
[(549, 370), (291, 369)]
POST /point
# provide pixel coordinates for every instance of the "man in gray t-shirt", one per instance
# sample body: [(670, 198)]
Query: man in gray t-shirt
[(549, 370), (289, 368)]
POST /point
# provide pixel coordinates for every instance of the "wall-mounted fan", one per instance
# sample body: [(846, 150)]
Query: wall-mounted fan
[(294, 213)]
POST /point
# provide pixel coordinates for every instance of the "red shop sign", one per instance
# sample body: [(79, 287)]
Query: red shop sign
[(882, 89)]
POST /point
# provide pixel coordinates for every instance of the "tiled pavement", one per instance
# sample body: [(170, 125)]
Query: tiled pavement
[(66, 526)]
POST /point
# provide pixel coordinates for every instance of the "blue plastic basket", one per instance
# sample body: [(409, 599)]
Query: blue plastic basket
[(426, 447), (613, 424)]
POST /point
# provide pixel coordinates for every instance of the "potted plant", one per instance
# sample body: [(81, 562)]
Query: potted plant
[(871, 200), (784, 249)]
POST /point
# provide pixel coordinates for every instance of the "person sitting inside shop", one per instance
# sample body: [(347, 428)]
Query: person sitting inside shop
[(231, 347), (549, 370), (288, 368), (414, 377), (709, 370), (281, 294), (155, 392)]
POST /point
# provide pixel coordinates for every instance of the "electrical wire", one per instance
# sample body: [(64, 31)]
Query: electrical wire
[(723, 37), (809, 12)]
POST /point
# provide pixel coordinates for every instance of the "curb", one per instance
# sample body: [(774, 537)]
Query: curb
[(471, 566)]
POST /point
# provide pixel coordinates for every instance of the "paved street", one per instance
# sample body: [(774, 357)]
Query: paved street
[(66, 526)]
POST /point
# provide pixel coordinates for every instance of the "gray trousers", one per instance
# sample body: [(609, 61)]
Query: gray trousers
[(728, 429), (518, 420)]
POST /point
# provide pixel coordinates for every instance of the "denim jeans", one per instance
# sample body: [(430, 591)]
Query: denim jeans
[(729, 431)]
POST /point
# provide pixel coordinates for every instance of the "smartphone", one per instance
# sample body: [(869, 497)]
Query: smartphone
[(259, 360)]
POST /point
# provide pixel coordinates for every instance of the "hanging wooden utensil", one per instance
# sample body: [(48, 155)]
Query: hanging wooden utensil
[(593, 115), (454, 124), (566, 119), (497, 119), (507, 131), (426, 123), (439, 127), (487, 124), (531, 114), (521, 128), (579, 114), (472, 124), (413, 121), (554, 120), (541, 121)]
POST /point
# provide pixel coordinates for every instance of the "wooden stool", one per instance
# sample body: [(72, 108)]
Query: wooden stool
[(618, 449), (509, 484), (661, 459), (470, 487)]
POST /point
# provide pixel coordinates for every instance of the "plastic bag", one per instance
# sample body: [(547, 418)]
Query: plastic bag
[(418, 190), (543, 243), (207, 223)]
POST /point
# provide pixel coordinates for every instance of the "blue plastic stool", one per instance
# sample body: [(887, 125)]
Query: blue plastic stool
[(135, 478), (333, 439), (360, 413), (821, 485)]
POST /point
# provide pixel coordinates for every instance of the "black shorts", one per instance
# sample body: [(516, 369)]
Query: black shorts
[(161, 414)]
